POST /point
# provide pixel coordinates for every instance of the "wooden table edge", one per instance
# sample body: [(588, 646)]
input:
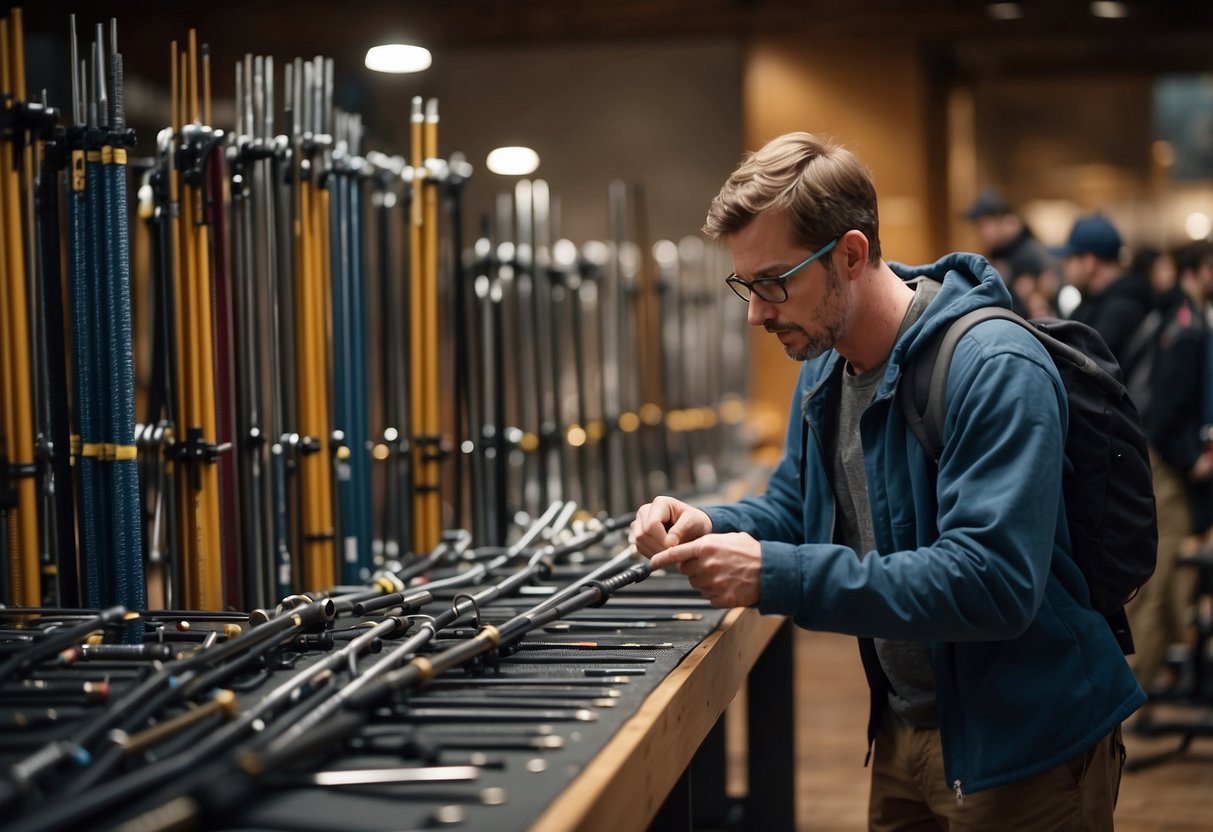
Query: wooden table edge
[(624, 785)]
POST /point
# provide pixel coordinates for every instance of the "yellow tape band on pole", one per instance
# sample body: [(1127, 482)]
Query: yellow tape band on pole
[(123, 453)]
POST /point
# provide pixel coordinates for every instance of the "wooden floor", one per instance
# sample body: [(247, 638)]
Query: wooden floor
[(832, 788)]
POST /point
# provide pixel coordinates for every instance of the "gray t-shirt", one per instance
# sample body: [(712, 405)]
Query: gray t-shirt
[(906, 663)]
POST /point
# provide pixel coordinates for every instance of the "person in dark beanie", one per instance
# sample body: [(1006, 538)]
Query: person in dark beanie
[(1114, 302), (1011, 247)]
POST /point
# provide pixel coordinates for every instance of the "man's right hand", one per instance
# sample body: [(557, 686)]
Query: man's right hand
[(666, 522)]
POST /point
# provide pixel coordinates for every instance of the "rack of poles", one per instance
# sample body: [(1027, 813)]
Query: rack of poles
[(604, 373), (334, 380)]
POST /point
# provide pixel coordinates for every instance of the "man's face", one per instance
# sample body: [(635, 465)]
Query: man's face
[(1077, 268), (813, 318), (996, 230)]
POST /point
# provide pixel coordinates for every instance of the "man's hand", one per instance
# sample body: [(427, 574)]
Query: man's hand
[(666, 522), (725, 568)]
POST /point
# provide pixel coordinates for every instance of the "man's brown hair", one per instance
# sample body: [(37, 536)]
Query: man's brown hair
[(823, 188)]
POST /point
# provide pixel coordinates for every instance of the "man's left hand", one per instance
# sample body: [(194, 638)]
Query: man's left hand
[(725, 568)]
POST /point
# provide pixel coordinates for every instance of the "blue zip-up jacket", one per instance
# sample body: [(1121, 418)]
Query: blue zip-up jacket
[(974, 561)]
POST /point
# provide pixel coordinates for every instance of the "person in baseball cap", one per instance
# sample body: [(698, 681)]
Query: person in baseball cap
[(1093, 234), (1114, 302)]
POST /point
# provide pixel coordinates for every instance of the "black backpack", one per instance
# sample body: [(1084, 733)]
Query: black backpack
[(1109, 496)]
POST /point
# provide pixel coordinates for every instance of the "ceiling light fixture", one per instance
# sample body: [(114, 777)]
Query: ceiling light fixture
[(1109, 9), (398, 58), (512, 161), (1198, 225), (1004, 11)]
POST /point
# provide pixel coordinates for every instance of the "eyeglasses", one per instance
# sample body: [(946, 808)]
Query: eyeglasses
[(773, 289)]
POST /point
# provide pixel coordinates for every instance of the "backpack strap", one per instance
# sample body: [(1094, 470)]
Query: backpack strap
[(924, 383)]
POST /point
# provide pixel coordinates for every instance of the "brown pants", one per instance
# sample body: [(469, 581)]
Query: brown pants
[(909, 792)]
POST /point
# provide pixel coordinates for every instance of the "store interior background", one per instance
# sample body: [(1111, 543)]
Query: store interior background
[(1062, 108)]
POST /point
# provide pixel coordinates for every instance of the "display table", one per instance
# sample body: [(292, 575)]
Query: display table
[(626, 784)]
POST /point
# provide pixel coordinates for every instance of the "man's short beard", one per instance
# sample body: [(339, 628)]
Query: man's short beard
[(833, 304), (808, 353)]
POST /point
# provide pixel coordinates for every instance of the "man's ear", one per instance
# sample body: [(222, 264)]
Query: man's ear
[(854, 246)]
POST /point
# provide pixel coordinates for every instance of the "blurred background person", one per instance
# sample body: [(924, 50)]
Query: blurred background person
[(1013, 250), (1170, 378), (1114, 302)]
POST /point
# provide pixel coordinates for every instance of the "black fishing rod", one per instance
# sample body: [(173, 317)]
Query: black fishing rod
[(61, 638), (458, 171), (387, 197), (493, 450), (50, 269)]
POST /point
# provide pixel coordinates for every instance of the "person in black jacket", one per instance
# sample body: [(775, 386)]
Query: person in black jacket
[(1181, 462), (1012, 249), (1114, 302)]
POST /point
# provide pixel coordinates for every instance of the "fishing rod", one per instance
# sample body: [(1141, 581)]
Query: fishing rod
[(213, 207), (17, 369), (548, 299), (59, 481), (251, 159), (350, 378), (458, 172), (426, 441), (129, 585), (515, 436), (671, 314), (312, 275), (490, 375), (530, 350), (651, 358), (568, 361), (54, 642), (391, 179)]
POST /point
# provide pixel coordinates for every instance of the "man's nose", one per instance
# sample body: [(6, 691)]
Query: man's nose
[(759, 310)]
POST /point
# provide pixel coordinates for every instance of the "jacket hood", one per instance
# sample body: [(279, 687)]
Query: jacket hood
[(967, 282)]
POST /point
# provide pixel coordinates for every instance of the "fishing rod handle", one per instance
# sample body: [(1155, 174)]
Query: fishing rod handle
[(410, 602)]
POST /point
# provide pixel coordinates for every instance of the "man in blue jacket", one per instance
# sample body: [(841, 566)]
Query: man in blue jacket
[(997, 692)]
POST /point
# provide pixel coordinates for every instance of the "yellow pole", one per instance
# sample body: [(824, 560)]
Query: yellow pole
[(213, 586), (187, 557), (211, 596), (8, 397), (26, 588), (319, 563), (433, 419), (417, 326), (326, 553)]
